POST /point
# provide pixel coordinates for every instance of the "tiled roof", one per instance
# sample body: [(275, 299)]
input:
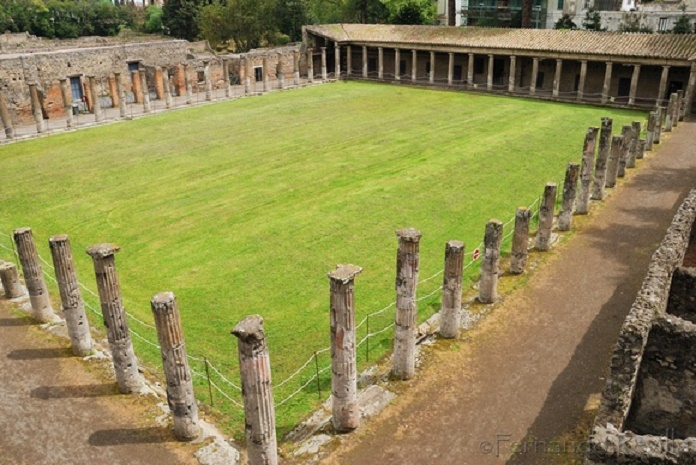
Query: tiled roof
[(655, 46)]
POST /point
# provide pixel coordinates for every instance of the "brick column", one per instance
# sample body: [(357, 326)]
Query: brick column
[(226, 77), (113, 92), (36, 108), (145, 90), (159, 83)]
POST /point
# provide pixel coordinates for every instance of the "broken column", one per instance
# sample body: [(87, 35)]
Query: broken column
[(226, 77), (208, 83), (121, 96), (266, 78), (33, 275), (488, 283), (9, 276), (180, 397), (678, 108), (113, 92), (633, 145), (279, 72), (96, 104), (658, 124), (118, 334), (296, 66), (67, 102), (626, 136), (543, 237), (650, 131), (255, 372), (407, 266), (669, 117), (159, 83), (6, 118), (565, 217), (166, 88), (640, 151), (520, 240), (600, 171), (70, 296), (451, 311), (137, 87), (145, 91), (588, 161), (36, 108), (344, 373), (613, 166), (189, 85)]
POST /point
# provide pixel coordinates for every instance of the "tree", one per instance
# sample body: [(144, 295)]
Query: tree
[(153, 19), (682, 25), (180, 18), (247, 23), (412, 12), (565, 22), (592, 21), (290, 16)]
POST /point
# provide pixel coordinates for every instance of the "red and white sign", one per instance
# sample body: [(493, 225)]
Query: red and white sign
[(476, 254)]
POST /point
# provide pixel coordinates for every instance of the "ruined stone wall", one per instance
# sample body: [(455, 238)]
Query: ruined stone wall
[(647, 362)]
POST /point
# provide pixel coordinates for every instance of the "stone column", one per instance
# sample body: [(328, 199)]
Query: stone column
[(96, 105), (9, 276), (380, 63), (659, 111), (634, 85), (633, 146), (640, 151), (226, 77), (414, 65), (113, 92), (613, 166), (248, 73), (450, 68), (364, 61), (690, 86), (678, 108), (137, 88), (407, 266), (626, 136), (588, 161), (33, 275), (189, 85), (7, 119), (70, 296), (606, 87), (488, 283), (432, 67), (344, 373), (255, 372), (511, 74), (543, 238), (520, 241), (67, 101), (266, 79), (535, 76), (337, 61), (296, 67), (167, 88), (650, 131), (208, 82), (557, 78), (570, 184), (451, 311), (470, 71), (117, 332), (489, 77), (146, 91), (581, 82), (159, 83), (397, 63), (663, 85), (310, 66), (36, 108), (600, 171), (180, 397), (324, 75), (349, 61), (122, 111), (280, 72), (669, 118)]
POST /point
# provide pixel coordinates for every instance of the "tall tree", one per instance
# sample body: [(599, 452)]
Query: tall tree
[(180, 18)]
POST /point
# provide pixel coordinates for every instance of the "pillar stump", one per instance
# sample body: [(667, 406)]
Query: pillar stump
[(613, 165), (570, 184), (488, 283), (520, 241), (70, 295), (66, 93), (145, 90), (588, 162), (548, 200), (167, 89), (600, 171), (9, 276), (122, 96), (407, 267), (626, 136), (208, 82), (36, 108), (33, 275), (633, 145), (451, 311), (96, 104), (255, 372)]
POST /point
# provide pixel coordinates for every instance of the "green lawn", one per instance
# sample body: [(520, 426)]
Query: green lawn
[(243, 207)]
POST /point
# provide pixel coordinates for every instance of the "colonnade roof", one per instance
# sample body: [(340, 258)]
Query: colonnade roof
[(610, 44)]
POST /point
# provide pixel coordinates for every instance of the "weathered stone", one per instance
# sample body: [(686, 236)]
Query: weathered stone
[(626, 136), (659, 117), (166, 88), (546, 210), (669, 115), (6, 118), (633, 146), (217, 452), (36, 108), (407, 267), (565, 217), (588, 161), (650, 131), (520, 241), (614, 156), (145, 90), (96, 104), (600, 171), (67, 102), (121, 96), (33, 275), (207, 81), (451, 311), (488, 283), (9, 276)]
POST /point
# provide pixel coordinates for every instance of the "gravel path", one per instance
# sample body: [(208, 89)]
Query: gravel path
[(535, 366)]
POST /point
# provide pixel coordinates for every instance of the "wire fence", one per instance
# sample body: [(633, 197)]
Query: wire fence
[(212, 378)]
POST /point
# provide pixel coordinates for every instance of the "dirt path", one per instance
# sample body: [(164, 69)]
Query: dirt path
[(537, 363), (54, 411)]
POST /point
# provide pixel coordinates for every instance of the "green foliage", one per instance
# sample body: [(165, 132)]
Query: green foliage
[(63, 18), (153, 19), (411, 12), (565, 22), (247, 23), (180, 18), (683, 25), (290, 16), (592, 21)]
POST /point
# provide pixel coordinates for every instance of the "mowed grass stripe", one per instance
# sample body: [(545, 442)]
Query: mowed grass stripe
[(242, 207)]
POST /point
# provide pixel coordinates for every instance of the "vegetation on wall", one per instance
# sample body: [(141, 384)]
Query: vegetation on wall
[(565, 22), (592, 21)]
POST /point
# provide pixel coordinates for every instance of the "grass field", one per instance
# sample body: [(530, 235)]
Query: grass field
[(243, 207)]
